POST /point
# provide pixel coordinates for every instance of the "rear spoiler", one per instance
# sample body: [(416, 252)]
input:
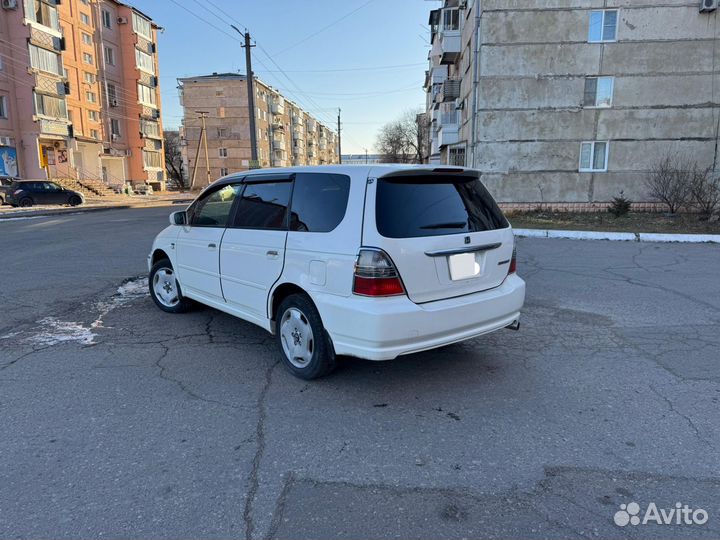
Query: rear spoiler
[(433, 175)]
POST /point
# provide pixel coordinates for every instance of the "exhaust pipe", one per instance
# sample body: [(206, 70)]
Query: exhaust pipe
[(515, 325)]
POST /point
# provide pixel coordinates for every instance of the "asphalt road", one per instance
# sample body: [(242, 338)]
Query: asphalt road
[(117, 420)]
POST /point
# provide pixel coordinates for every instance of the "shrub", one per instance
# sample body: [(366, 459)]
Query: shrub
[(705, 192), (620, 205), (669, 181)]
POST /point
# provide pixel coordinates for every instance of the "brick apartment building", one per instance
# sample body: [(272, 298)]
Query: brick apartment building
[(286, 135), (79, 92), (572, 101)]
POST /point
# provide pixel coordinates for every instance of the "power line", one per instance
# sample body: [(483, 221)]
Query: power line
[(310, 36), (340, 70)]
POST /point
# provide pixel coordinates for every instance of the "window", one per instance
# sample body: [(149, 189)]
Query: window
[(93, 115), (144, 61), (222, 133), (222, 152), (223, 171), (3, 107), (112, 94), (319, 201), (456, 156), (593, 156), (106, 19), (146, 94), (87, 58), (149, 128), (84, 18), (214, 209), (431, 205), (94, 134), (110, 56), (263, 206), (45, 60), (89, 77), (451, 19), (115, 127), (91, 97), (87, 39), (152, 160), (142, 26), (50, 106), (603, 26), (42, 13), (219, 92), (598, 92)]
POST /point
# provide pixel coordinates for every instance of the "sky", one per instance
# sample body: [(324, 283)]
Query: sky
[(367, 57)]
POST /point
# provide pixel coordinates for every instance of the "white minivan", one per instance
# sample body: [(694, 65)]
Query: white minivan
[(366, 261)]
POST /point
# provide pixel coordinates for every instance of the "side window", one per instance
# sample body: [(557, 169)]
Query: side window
[(214, 209), (319, 201), (263, 206)]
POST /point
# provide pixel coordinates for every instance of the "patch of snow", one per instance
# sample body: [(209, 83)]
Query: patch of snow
[(54, 331)]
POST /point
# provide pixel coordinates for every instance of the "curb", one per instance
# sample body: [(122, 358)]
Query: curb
[(619, 236), (82, 210)]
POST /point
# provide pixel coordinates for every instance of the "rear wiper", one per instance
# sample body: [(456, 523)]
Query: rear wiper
[(450, 225)]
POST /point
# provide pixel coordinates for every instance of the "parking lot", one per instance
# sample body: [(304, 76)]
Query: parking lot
[(119, 420)]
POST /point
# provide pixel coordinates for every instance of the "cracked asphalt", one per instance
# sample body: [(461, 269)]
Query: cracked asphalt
[(133, 423)]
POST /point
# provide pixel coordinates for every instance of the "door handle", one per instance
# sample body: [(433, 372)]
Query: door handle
[(272, 254), (212, 246)]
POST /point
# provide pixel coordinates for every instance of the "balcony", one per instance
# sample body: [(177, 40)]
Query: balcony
[(450, 46), (278, 106), (450, 90), (298, 132), (54, 127), (277, 125), (297, 120), (311, 152), (449, 132), (278, 144)]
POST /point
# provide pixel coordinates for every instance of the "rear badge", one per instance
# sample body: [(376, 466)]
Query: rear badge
[(467, 239)]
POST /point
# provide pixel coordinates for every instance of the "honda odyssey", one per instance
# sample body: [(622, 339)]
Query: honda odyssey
[(367, 261)]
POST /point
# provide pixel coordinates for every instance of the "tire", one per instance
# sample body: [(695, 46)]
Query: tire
[(74, 200), (27, 202), (168, 296), (305, 347)]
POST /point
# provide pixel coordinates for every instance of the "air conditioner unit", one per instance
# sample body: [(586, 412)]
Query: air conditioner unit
[(115, 136), (9, 4), (113, 102), (122, 20), (708, 5)]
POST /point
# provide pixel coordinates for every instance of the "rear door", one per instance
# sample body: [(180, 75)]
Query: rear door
[(253, 248), (442, 229)]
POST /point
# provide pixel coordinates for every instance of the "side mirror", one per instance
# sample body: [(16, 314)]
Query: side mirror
[(178, 218)]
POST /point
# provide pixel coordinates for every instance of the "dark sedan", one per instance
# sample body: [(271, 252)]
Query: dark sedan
[(26, 193)]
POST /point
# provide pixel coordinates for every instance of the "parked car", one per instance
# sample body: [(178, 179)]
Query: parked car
[(30, 192), (5, 183), (373, 262)]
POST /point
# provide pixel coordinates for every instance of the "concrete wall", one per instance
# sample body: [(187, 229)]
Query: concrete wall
[(529, 117)]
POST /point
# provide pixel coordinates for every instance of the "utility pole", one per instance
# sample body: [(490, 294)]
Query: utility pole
[(251, 96), (203, 137), (366, 157), (339, 140)]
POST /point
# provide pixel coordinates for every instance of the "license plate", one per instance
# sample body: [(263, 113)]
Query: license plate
[(463, 266)]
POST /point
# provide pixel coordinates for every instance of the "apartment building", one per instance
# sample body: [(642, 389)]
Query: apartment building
[(81, 93), (572, 101), (286, 134)]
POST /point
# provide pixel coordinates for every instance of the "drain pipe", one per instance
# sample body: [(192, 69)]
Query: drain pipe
[(476, 74)]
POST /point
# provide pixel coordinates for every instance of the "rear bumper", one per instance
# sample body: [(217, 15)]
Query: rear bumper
[(384, 328)]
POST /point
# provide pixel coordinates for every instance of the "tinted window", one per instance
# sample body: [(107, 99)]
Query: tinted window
[(263, 206), (319, 201), (415, 206), (214, 209)]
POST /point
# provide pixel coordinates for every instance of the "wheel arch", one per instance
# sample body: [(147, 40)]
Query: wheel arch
[(158, 255), (280, 293)]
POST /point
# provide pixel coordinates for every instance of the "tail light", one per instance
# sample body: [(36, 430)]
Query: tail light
[(513, 262), (376, 275)]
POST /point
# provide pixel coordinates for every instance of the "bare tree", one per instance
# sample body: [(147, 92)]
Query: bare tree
[(401, 141), (173, 159), (705, 191), (669, 181)]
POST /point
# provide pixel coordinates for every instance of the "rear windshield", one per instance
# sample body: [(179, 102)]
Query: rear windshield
[(408, 207)]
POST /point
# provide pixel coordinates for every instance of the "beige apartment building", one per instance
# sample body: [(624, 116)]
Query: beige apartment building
[(572, 101), (286, 134), (79, 92)]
